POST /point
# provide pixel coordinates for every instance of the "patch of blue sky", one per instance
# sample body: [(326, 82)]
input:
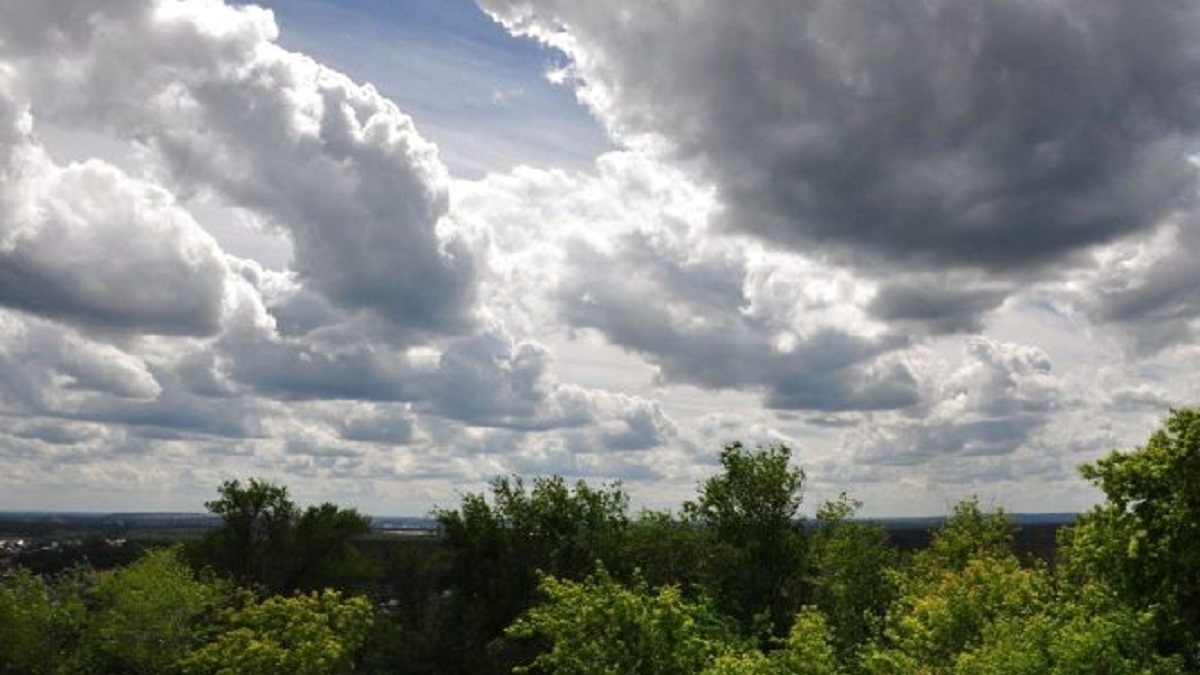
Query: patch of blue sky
[(479, 93)]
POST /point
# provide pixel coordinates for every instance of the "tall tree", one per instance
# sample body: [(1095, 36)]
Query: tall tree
[(142, 617), (500, 546), (751, 508), (266, 540), (322, 552), (256, 525), (1144, 541), (852, 566)]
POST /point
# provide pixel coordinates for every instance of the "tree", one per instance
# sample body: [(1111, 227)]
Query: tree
[(322, 554), (666, 550), (266, 540), (600, 627), (309, 634), (1144, 541), (257, 520), (852, 567), (807, 650), (40, 624), (938, 617), (498, 548), (970, 534), (751, 508), (953, 592), (143, 616), (1082, 631)]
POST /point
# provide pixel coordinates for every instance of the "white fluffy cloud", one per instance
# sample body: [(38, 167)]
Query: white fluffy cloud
[(227, 110), (989, 403), (88, 242), (867, 232)]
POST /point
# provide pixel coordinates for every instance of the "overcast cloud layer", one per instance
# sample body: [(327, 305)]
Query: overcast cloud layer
[(939, 248)]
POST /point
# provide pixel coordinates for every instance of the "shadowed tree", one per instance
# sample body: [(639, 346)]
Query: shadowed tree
[(257, 520), (498, 548), (266, 540), (751, 511)]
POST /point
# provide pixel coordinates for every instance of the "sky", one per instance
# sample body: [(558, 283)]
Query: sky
[(381, 252)]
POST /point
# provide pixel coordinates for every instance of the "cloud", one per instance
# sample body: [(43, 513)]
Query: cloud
[(864, 231), (629, 255), (1147, 288), (223, 108), (44, 367), (689, 318), (991, 403), (993, 137), (88, 243), (940, 303)]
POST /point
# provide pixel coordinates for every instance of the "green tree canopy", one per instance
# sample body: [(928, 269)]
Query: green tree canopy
[(499, 546), (40, 624), (309, 634), (265, 539), (256, 523), (1144, 541), (852, 573), (601, 627), (142, 617), (752, 510)]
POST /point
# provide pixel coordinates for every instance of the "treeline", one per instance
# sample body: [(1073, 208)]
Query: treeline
[(549, 577)]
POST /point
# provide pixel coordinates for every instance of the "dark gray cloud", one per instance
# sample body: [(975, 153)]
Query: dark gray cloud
[(995, 135), (394, 425), (1149, 290), (939, 303)]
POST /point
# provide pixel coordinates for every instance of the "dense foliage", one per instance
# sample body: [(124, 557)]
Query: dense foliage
[(550, 577)]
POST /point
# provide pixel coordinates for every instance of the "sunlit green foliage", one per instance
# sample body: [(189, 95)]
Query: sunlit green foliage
[(938, 617), (309, 634), (852, 565), (807, 650), (600, 627), (142, 617), (40, 624), (1081, 632), (952, 592), (1144, 541)]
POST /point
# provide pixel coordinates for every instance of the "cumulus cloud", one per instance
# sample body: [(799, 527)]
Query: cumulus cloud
[(88, 243), (225, 109), (817, 203), (45, 367), (995, 136), (1148, 288), (693, 319), (630, 256), (990, 403)]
